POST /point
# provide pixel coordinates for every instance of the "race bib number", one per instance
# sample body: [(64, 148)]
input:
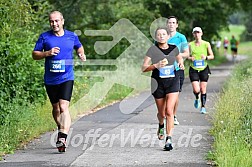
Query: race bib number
[(57, 65), (199, 63), (167, 72)]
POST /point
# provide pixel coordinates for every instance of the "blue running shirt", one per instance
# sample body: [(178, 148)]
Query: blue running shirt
[(180, 41), (58, 68)]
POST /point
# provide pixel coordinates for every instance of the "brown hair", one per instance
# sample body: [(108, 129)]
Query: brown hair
[(161, 28), (171, 17)]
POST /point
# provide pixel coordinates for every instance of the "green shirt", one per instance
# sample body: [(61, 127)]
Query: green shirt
[(233, 43), (197, 51)]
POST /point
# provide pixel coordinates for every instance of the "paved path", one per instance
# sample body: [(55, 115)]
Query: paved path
[(110, 138)]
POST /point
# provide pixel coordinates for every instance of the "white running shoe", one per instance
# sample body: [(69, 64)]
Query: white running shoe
[(176, 122)]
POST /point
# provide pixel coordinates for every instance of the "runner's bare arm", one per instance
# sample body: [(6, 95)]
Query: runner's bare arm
[(149, 67), (81, 53), (185, 53), (210, 55), (38, 55), (146, 65), (190, 57), (180, 61)]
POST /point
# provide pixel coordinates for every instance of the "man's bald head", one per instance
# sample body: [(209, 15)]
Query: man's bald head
[(57, 13)]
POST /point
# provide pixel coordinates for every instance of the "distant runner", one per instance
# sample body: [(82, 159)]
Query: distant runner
[(225, 45), (234, 47)]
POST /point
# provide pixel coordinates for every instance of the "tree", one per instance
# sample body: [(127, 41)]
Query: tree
[(211, 16), (101, 15)]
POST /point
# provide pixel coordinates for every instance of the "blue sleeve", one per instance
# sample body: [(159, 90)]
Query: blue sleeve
[(184, 43), (39, 44), (77, 43)]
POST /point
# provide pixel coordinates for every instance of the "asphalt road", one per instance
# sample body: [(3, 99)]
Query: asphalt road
[(110, 138)]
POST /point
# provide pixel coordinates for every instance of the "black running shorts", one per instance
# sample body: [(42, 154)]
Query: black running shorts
[(196, 75), (61, 91), (162, 86), (234, 50)]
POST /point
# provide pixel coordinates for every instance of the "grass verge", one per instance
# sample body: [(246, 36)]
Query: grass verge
[(24, 124), (232, 121)]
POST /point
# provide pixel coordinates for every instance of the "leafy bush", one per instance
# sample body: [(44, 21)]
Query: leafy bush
[(21, 78)]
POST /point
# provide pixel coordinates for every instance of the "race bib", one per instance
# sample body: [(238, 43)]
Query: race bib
[(57, 65), (199, 63), (167, 72)]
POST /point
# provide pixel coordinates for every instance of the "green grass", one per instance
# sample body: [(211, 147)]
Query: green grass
[(235, 30), (245, 48), (24, 124), (232, 120)]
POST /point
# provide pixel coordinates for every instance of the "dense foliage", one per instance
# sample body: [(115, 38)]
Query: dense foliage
[(212, 16), (21, 82)]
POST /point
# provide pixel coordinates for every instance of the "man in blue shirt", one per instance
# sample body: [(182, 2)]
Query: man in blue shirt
[(56, 47), (180, 41)]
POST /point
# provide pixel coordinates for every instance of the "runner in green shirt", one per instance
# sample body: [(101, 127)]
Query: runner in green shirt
[(234, 47), (200, 53)]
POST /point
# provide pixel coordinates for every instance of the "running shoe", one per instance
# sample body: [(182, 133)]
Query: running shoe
[(168, 145), (197, 103), (61, 145), (203, 110), (160, 133), (176, 122)]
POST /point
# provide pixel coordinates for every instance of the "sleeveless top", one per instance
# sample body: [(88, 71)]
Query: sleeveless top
[(197, 51)]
